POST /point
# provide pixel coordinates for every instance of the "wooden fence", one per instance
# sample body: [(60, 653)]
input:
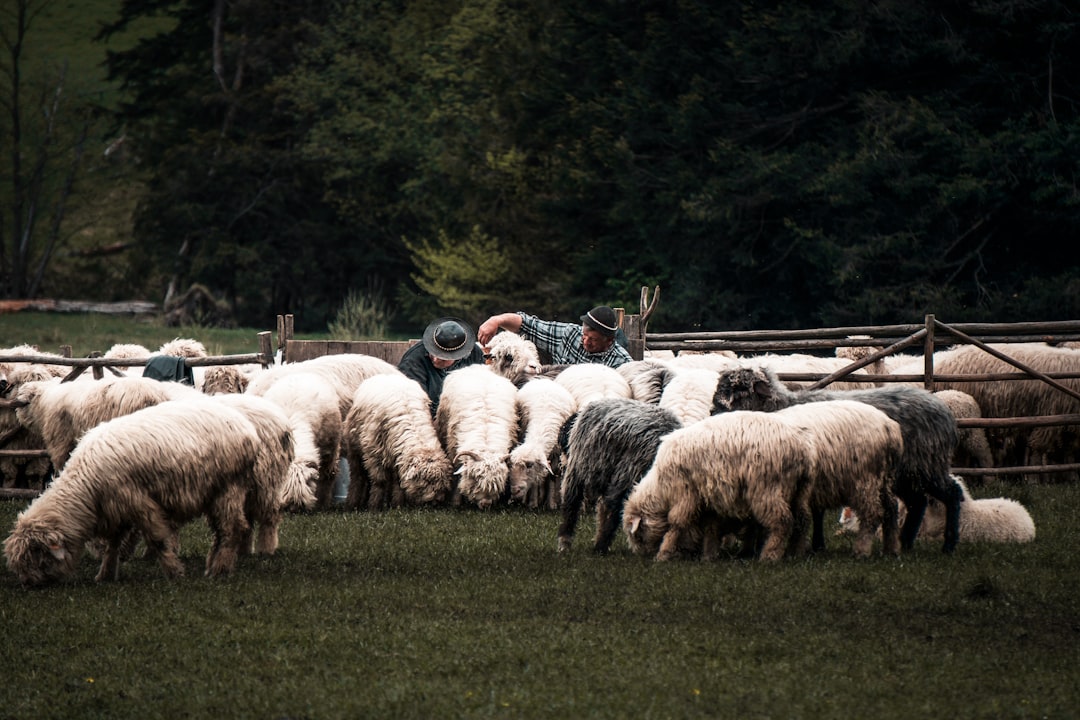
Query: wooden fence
[(888, 339)]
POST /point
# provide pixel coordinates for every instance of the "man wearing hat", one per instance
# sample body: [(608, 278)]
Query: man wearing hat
[(564, 343), (449, 343)]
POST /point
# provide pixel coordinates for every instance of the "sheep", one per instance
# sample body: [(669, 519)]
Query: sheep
[(928, 429), (543, 407), (61, 412), (592, 381), (981, 520), (128, 351), (311, 404), (187, 348), (689, 394), (1020, 398), (718, 360), (856, 451), (23, 472), (973, 447), (476, 422), (737, 466), (647, 378), (392, 448), (224, 379), (611, 446), (277, 465), (344, 373), (150, 471), (512, 355)]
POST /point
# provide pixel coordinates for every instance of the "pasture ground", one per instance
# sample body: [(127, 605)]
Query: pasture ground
[(455, 613)]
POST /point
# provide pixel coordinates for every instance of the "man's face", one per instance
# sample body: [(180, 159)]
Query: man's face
[(594, 341), (439, 362)]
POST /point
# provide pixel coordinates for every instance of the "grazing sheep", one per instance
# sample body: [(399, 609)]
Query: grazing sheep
[(543, 407), (391, 446), (738, 466), (343, 372), (477, 424), (311, 403), (689, 394), (973, 448), (856, 450), (592, 381), (928, 429), (1018, 398), (512, 355), (647, 378), (611, 446), (151, 471), (981, 520)]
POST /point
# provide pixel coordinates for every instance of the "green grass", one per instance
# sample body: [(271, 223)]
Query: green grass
[(88, 332), (440, 613)]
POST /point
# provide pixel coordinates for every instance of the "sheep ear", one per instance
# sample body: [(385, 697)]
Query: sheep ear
[(635, 522), (57, 551)]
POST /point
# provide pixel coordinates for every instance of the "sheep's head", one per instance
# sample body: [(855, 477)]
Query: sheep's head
[(224, 379), (746, 388), (528, 469), (427, 477), (482, 478), (38, 555), (512, 355)]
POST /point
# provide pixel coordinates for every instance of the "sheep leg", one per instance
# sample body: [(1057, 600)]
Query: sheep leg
[(950, 499), (162, 538), (915, 502), (608, 519), (571, 509), (890, 533), (230, 526), (110, 557), (777, 521), (817, 544), (680, 517), (359, 483), (266, 542)]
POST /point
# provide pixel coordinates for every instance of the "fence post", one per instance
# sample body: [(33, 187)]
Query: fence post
[(928, 355)]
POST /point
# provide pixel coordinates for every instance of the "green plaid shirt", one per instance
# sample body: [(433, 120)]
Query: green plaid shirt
[(562, 342)]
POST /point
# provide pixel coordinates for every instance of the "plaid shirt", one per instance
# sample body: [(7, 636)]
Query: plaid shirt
[(562, 342)]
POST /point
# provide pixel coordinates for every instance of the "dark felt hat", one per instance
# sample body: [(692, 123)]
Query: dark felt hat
[(602, 319), (449, 338)]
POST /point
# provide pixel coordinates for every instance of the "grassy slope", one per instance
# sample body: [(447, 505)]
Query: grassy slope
[(444, 613)]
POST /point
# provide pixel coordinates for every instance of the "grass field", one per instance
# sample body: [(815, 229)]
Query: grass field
[(441, 613)]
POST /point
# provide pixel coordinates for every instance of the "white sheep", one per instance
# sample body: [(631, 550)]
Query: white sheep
[(981, 520), (344, 372), (393, 451), (220, 379), (543, 407), (477, 422), (736, 466), (311, 404), (23, 472), (512, 356), (592, 381), (151, 471), (802, 363), (689, 394)]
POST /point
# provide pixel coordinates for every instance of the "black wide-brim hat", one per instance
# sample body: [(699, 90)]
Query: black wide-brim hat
[(602, 319), (449, 338)]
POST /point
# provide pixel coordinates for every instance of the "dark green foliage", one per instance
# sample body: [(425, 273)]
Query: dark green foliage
[(442, 613), (768, 164)]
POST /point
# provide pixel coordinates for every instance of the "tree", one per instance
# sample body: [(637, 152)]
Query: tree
[(46, 130)]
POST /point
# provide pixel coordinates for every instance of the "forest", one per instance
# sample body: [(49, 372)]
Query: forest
[(767, 164)]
